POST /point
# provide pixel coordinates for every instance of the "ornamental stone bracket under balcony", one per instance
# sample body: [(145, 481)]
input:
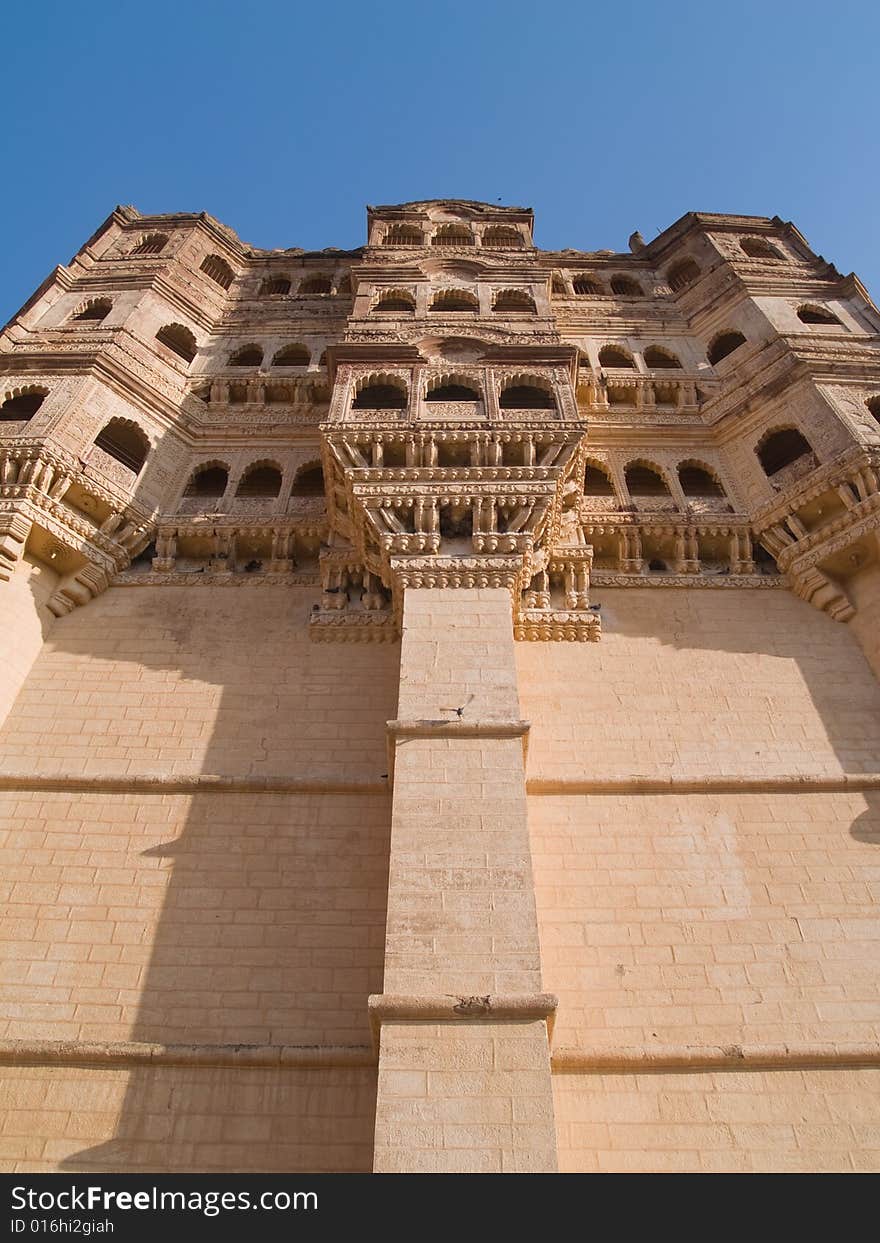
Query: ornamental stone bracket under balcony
[(549, 593), (82, 529), (228, 546), (823, 531)]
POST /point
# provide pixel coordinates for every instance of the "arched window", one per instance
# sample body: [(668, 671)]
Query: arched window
[(453, 235), (682, 274), (758, 248), (403, 235), (179, 340), (597, 481), (626, 286), (275, 284), (514, 300), (315, 285), (557, 284), (247, 356), (94, 310), (616, 356), (645, 480), (725, 344), (309, 481), (381, 393), (152, 244), (343, 289), (659, 359), (261, 479), (452, 388), (20, 406), (816, 315), (125, 442), (781, 448), (698, 481), (209, 480), (502, 236), (292, 356), (873, 404), (586, 286), (523, 393), (398, 300), (218, 270), (454, 300)]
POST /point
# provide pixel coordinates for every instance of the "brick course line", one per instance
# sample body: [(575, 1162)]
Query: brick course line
[(134, 1053), (199, 783), (196, 783), (524, 1007), (727, 1057), (786, 783)]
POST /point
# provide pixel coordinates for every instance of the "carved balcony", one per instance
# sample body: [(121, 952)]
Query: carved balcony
[(452, 411), (795, 470)]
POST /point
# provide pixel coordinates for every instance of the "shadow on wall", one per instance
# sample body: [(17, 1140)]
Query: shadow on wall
[(829, 663), (681, 915), (237, 918), (760, 681)]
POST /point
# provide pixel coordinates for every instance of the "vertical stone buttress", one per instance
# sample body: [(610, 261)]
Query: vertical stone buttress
[(464, 1066)]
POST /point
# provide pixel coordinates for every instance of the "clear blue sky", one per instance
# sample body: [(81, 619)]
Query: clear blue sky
[(284, 119)]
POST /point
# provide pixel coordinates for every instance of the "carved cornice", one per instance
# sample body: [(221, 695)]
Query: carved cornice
[(459, 572), (557, 625), (606, 578), (820, 545), (809, 487), (355, 627), (216, 578)]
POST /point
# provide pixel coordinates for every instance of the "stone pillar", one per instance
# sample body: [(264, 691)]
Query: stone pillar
[(25, 620), (864, 590), (464, 1068)]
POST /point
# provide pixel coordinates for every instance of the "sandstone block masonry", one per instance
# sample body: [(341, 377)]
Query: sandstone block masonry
[(440, 705)]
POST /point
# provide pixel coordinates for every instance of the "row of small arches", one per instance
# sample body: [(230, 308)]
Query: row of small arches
[(384, 392), (809, 313), (219, 271), (679, 276), (590, 286), (401, 301), (686, 271), (497, 236), (726, 342), (290, 356), (312, 285), (776, 450), (655, 356), (260, 479), (645, 479)]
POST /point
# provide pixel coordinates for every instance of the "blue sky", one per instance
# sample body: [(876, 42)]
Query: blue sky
[(284, 119)]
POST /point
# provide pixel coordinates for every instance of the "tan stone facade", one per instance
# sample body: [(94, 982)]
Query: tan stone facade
[(440, 703)]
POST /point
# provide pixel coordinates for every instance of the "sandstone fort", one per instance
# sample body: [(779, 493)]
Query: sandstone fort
[(440, 703)]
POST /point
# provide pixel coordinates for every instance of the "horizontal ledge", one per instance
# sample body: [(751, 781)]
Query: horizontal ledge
[(452, 1008), (458, 729), (713, 1057), (125, 1053), (195, 783), (786, 783), (206, 783)]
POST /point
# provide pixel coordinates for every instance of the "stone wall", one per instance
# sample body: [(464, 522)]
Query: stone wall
[(212, 917), (675, 922), (25, 622)]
